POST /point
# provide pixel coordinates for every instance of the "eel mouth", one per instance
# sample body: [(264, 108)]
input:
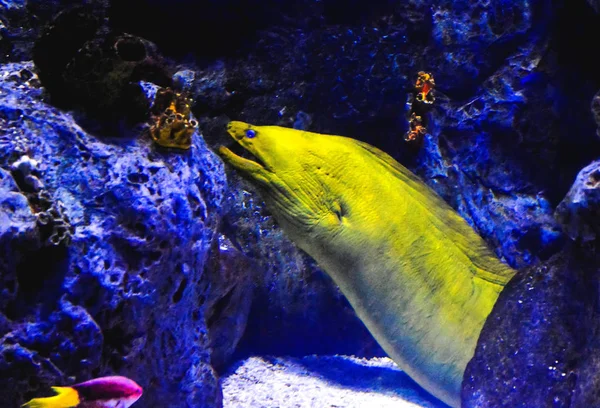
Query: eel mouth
[(239, 162), (251, 164)]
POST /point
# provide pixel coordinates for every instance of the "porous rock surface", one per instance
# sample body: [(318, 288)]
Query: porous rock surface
[(578, 211), (535, 341), (127, 295)]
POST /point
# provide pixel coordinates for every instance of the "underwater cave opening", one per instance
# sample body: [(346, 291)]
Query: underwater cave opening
[(577, 79)]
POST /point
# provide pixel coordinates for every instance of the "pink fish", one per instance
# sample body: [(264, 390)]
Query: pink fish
[(104, 392)]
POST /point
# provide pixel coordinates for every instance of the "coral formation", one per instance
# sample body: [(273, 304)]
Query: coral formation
[(172, 126), (17, 231), (53, 222), (128, 295), (416, 131), (424, 88), (420, 103), (578, 211), (25, 76)]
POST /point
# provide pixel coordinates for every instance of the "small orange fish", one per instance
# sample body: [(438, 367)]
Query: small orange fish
[(104, 392), (424, 85), (416, 130)]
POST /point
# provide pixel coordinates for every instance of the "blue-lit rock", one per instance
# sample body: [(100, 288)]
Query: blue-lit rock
[(471, 39), (531, 344), (578, 214), (17, 228), (127, 296), (578, 211), (538, 345), (485, 167), (229, 299)]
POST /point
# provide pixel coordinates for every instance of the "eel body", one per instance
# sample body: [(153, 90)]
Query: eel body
[(415, 272)]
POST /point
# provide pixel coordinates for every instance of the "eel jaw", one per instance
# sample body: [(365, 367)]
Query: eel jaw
[(249, 168)]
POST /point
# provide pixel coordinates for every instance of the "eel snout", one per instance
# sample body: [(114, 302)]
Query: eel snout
[(237, 130)]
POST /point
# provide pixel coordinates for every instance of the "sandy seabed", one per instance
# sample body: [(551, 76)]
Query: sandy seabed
[(322, 381)]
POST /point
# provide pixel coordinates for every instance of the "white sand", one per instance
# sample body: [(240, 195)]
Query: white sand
[(322, 382)]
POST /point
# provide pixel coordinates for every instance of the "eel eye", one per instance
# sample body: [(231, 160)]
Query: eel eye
[(250, 133)]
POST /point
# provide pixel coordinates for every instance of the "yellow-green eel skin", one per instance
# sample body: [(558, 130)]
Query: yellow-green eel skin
[(417, 275)]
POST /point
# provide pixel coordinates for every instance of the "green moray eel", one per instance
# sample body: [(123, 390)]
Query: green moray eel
[(415, 272)]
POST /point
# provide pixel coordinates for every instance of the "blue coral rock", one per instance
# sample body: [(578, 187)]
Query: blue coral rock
[(127, 296), (578, 211), (539, 346)]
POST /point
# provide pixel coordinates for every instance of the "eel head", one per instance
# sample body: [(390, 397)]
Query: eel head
[(294, 172)]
